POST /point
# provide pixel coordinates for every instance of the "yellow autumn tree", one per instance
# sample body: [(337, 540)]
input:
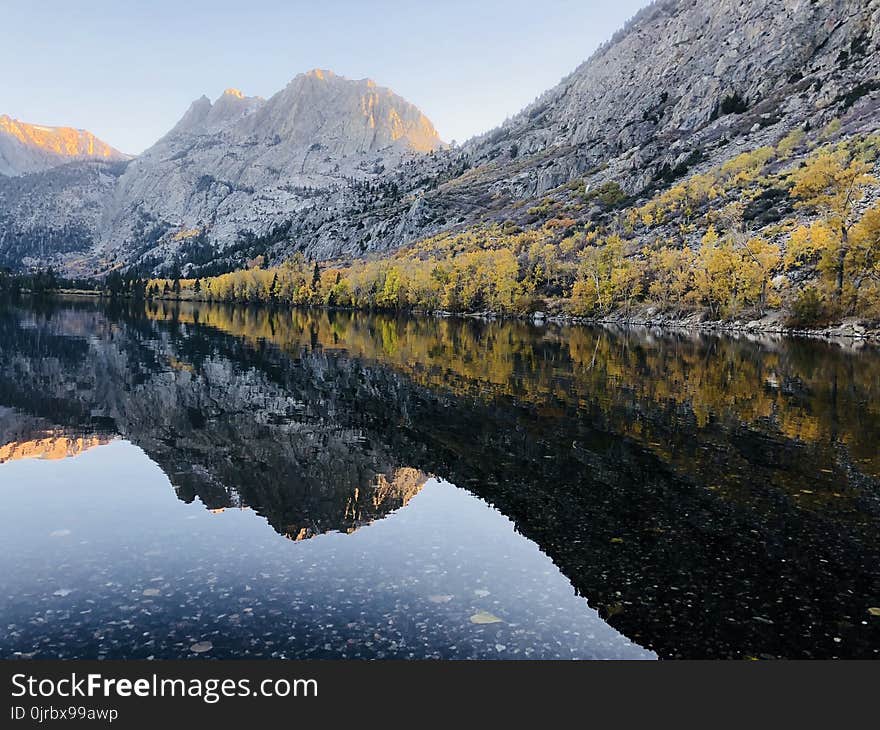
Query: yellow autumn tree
[(731, 273), (864, 262), (606, 278), (832, 182), (393, 292), (671, 273), (757, 260), (714, 274)]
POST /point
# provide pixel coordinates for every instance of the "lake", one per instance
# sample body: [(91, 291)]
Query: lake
[(185, 480)]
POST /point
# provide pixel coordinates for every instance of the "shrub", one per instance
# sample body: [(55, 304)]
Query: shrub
[(734, 104), (610, 194), (808, 309)]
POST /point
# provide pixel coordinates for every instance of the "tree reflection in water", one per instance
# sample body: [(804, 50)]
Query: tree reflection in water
[(713, 497)]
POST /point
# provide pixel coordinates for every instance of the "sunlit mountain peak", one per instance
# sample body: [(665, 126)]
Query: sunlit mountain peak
[(26, 147)]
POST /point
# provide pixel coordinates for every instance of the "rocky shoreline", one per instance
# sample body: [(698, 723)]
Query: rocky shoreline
[(851, 328)]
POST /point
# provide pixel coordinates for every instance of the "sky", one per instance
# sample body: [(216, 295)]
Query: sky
[(127, 70)]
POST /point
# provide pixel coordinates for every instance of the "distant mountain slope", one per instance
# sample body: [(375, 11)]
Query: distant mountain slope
[(26, 148), (54, 217), (239, 166), (686, 85)]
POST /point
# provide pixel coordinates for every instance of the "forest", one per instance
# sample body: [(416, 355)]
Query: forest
[(793, 229), (690, 248)]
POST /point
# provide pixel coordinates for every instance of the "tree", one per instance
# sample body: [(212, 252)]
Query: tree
[(606, 277), (715, 273), (833, 183), (114, 283), (390, 296), (864, 262), (671, 273), (732, 272), (790, 142), (755, 259)]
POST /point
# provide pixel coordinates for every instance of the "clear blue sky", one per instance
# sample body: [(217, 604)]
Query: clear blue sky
[(128, 70)]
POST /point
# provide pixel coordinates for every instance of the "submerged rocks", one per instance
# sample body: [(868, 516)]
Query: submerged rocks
[(484, 617)]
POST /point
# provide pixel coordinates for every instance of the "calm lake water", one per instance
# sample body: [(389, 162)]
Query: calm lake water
[(237, 482)]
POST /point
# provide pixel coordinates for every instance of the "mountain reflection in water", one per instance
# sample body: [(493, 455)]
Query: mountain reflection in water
[(113, 566), (710, 497)]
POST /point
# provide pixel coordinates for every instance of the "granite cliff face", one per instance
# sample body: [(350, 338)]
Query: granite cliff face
[(684, 81), (242, 164), (337, 168), (228, 170), (27, 148), (55, 216), (685, 86)]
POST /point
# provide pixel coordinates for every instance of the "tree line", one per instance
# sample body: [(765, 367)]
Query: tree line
[(591, 272), (688, 249)]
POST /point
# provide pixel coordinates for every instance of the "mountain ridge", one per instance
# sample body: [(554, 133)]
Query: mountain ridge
[(237, 163), (684, 86), (27, 147)]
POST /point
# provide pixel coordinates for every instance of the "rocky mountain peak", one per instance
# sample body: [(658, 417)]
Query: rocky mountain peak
[(344, 115), (26, 148), (324, 74), (320, 73), (205, 117), (228, 165)]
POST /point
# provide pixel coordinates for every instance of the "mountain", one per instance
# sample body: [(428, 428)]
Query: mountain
[(203, 117), (54, 185), (696, 80), (686, 86), (55, 216), (337, 169), (27, 148), (230, 168), (242, 163)]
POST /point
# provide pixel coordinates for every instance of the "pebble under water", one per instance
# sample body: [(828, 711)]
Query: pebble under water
[(113, 566)]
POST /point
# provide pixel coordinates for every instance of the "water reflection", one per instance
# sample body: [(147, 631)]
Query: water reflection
[(184, 581), (711, 497), (24, 437)]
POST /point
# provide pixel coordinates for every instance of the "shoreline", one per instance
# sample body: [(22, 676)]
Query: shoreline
[(850, 328), (845, 330)]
